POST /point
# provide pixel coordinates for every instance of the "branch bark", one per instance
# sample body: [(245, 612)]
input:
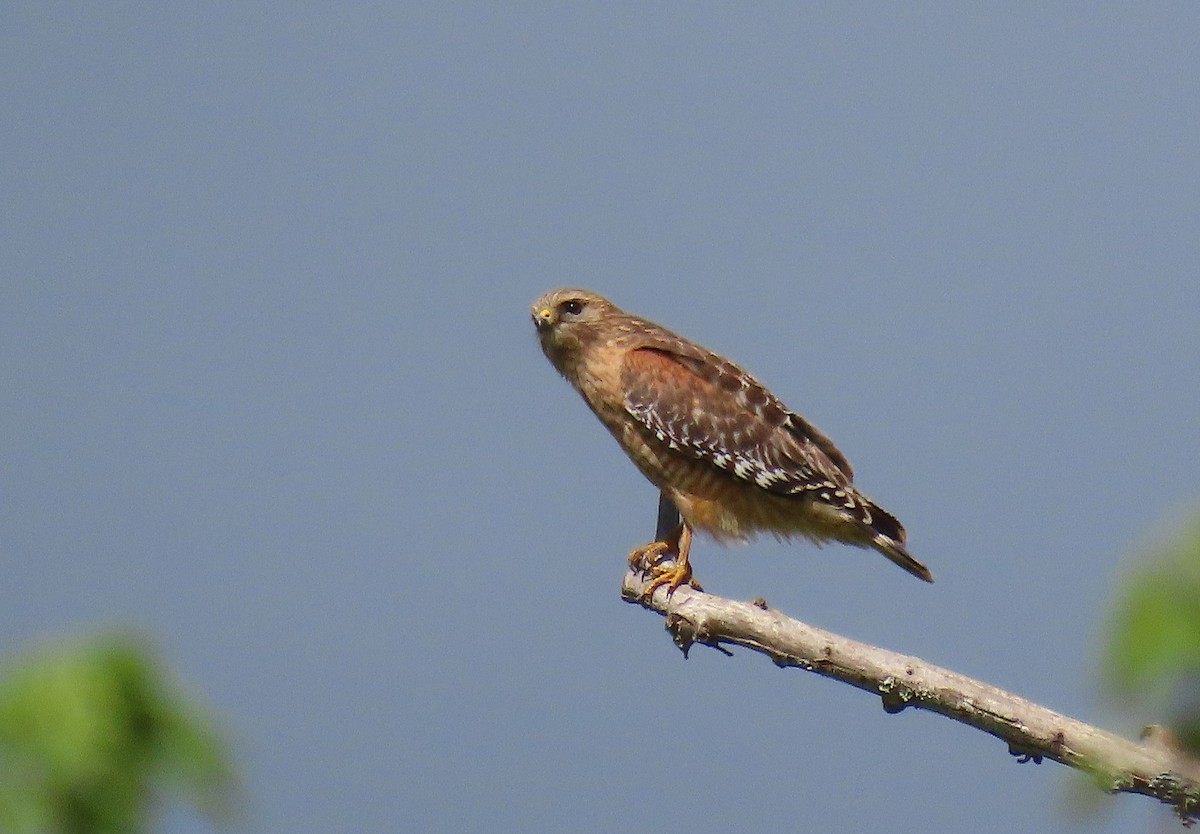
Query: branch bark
[(1154, 767)]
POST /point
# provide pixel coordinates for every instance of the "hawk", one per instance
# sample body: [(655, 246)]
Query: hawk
[(726, 451)]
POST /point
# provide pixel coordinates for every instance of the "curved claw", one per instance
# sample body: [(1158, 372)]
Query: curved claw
[(647, 557), (672, 575)]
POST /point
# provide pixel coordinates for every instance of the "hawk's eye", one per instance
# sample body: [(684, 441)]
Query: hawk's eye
[(572, 308)]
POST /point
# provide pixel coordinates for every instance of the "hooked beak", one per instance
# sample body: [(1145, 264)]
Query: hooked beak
[(543, 318)]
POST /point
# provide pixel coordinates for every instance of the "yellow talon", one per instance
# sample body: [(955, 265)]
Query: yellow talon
[(646, 558), (672, 576)]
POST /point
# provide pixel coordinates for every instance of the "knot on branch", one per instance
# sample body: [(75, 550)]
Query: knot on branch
[(1184, 797), (1025, 754), (686, 632), (895, 695)]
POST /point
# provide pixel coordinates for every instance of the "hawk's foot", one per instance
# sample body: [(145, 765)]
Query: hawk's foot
[(673, 575), (647, 557)]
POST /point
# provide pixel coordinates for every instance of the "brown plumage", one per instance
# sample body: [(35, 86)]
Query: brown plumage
[(722, 447)]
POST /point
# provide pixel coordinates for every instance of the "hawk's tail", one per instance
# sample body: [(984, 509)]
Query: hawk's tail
[(888, 536)]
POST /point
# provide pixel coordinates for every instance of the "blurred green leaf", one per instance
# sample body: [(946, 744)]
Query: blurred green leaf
[(1158, 634), (1155, 635), (1153, 651), (92, 734)]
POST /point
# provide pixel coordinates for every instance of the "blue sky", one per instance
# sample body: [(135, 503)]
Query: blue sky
[(272, 395)]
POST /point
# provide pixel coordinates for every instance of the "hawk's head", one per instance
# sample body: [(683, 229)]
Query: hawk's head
[(567, 321)]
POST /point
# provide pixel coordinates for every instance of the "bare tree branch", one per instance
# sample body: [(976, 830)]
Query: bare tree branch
[(1155, 767)]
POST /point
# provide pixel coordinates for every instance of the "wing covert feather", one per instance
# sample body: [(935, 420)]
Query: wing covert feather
[(714, 411)]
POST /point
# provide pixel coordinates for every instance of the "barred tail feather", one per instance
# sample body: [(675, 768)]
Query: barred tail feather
[(889, 538), (896, 552)]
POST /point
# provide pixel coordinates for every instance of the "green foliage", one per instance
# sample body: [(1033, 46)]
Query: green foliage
[(92, 734), (1154, 642)]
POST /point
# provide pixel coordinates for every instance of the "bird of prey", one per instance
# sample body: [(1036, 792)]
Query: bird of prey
[(726, 451)]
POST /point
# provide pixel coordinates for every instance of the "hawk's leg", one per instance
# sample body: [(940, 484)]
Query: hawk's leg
[(668, 518), (678, 544)]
